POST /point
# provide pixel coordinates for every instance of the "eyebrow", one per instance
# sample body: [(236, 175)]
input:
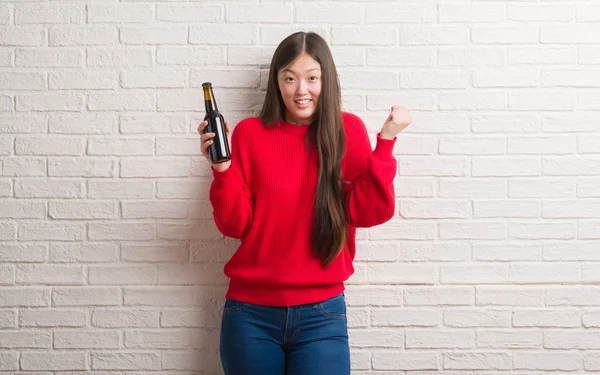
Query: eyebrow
[(291, 71)]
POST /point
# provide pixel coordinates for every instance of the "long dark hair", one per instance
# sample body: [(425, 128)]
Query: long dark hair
[(326, 132)]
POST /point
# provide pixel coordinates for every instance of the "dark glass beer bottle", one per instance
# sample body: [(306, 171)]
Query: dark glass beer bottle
[(218, 152)]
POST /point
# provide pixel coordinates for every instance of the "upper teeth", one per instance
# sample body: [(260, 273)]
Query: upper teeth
[(303, 101)]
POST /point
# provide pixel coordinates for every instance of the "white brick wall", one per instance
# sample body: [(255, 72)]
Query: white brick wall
[(110, 261)]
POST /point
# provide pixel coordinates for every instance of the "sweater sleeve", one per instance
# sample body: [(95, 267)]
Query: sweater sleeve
[(230, 196), (370, 196)]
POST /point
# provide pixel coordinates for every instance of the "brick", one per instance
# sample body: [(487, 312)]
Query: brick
[(121, 275), (86, 296), (119, 56), (178, 146), (534, 13), (195, 274), (23, 81), (24, 297), (591, 318), (50, 188), (473, 274), (505, 339), (569, 34), (8, 319), (506, 208), (75, 80), (505, 35), (165, 339), (472, 230), (53, 361), (120, 146), (189, 13), (554, 361), (533, 231), (471, 13), (191, 55), (184, 296), (124, 189), (130, 100), (9, 361), (436, 339), (400, 274), (156, 253), (434, 35), (51, 231), (122, 231), (130, 318), (477, 361), (148, 124), (39, 274), (591, 362), (506, 252), (23, 124), (439, 296), (541, 101), (388, 317), (87, 340), (405, 361), (22, 210), (414, 187), (571, 209), (160, 167), (569, 166), (541, 145), (125, 361), (427, 209), (573, 296), (369, 36), (22, 36), (67, 123), (328, 13), (404, 13), (49, 14), (464, 318), (588, 230), (565, 339), (509, 296), (8, 231), (441, 252), (25, 340), (87, 252), (376, 338), (546, 318), (49, 57), (259, 13), (81, 167), (155, 78), (120, 13), (475, 101), (394, 56), (50, 102), (53, 318), (396, 230), (482, 56), (544, 187), (49, 146), (82, 36), (577, 251), (154, 35)]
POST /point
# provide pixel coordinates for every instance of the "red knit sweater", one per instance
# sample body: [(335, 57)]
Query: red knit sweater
[(266, 199)]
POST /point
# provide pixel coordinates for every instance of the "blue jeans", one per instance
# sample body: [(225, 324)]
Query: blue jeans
[(307, 339)]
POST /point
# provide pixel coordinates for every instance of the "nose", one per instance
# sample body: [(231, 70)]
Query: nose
[(302, 88)]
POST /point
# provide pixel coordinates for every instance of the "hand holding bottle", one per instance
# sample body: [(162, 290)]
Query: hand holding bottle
[(206, 139), (397, 121)]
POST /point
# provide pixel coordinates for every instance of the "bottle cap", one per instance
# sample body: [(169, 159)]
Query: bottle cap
[(206, 84)]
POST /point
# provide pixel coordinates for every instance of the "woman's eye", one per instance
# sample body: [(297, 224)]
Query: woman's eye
[(314, 78), (289, 79)]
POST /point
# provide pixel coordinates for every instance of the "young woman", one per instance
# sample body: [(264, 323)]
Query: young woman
[(301, 179)]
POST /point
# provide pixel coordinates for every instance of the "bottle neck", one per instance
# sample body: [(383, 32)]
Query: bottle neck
[(210, 103)]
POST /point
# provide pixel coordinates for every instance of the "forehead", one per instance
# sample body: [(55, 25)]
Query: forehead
[(302, 64)]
